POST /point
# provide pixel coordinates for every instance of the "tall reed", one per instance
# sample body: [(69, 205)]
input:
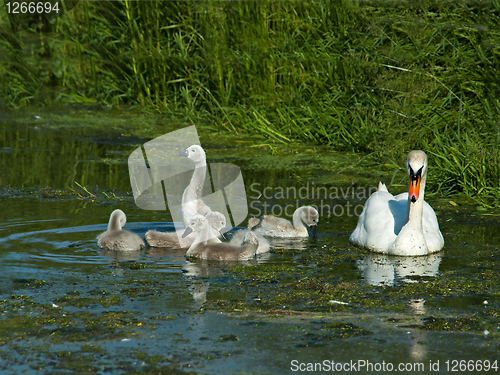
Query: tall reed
[(371, 76)]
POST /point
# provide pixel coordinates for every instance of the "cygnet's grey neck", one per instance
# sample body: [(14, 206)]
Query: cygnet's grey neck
[(114, 221), (297, 220)]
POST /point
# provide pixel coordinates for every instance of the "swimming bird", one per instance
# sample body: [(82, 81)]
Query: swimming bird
[(239, 237), (115, 238), (203, 249), (175, 239), (303, 217), (192, 203), (401, 225)]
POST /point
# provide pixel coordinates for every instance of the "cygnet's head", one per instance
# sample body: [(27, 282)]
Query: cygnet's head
[(250, 238), (194, 152), (416, 164), (196, 224), (309, 216), (117, 220), (216, 220)]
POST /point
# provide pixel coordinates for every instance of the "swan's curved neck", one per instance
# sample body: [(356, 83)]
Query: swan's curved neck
[(411, 239), (198, 179), (114, 223), (415, 209), (298, 224)]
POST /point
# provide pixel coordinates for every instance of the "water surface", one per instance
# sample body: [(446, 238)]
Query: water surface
[(69, 307)]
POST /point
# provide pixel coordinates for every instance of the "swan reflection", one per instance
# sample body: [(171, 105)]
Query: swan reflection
[(297, 243), (380, 269), (195, 272)]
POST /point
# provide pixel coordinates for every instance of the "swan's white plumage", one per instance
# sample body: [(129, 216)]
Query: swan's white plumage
[(394, 224), (115, 238)]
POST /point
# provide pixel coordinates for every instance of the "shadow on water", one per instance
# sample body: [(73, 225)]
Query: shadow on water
[(68, 306)]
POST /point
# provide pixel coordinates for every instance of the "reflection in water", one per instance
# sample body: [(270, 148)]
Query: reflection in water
[(122, 255), (297, 243), (388, 270), (195, 271), (288, 243), (380, 269), (196, 286)]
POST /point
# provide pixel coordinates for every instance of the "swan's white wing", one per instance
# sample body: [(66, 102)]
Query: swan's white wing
[(379, 222), (432, 234)]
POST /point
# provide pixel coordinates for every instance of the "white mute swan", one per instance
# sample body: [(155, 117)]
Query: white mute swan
[(217, 222), (192, 203), (401, 225), (203, 249), (115, 238), (303, 217)]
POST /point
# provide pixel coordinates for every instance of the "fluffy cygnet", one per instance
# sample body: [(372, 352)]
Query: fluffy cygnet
[(156, 238), (175, 239), (239, 237), (303, 217), (203, 249), (115, 238)]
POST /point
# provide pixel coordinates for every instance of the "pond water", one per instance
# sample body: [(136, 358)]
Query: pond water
[(68, 307)]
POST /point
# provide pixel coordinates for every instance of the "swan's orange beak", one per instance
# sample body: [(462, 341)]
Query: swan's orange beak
[(414, 185), (414, 189)]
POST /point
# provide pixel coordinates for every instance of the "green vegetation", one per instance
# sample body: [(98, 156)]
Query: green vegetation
[(379, 77), (320, 282)]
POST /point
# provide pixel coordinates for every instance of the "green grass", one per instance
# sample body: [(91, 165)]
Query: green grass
[(379, 77)]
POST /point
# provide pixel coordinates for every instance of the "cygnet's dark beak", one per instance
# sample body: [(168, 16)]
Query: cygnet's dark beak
[(187, 232), (314, 230), (182, 153), (222, 234)]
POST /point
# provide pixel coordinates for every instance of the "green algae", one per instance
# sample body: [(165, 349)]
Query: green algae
[(321, 280), (166, 317), (31, 283), (167, 370), (463, 324), (60, 326), (77, 301), (227, 338), (335, 331)]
